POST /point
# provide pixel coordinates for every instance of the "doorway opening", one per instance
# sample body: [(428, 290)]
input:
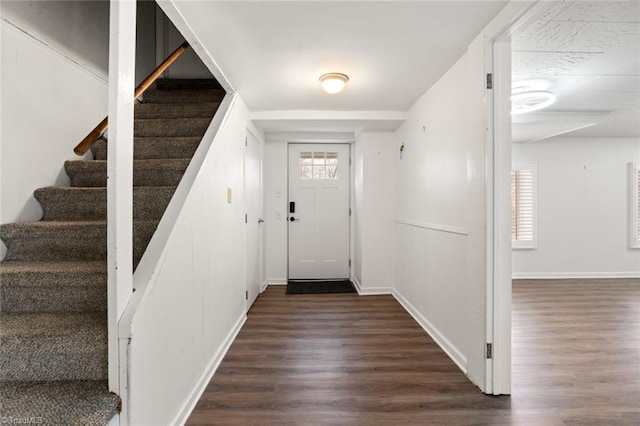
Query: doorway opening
[(563, 191)]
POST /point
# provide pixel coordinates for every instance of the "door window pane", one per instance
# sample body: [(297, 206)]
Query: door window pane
[(318, 165)]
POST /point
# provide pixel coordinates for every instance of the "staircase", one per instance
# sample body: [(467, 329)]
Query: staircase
[(53, 303)]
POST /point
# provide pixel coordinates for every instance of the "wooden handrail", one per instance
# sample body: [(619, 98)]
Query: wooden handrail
[(99, 130)]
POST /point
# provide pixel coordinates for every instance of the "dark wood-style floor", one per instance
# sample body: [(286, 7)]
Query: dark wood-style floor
[(345, 359)]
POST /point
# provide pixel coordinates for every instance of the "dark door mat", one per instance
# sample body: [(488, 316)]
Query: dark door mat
[(320, 287)]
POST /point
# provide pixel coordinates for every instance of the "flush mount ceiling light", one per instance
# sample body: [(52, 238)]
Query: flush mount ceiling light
[(333, 82), (530, 95), (524, 102)]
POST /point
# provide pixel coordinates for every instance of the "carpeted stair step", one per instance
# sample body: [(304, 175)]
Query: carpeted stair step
[(67, 241), (53, 286), (70, 403), (183, 96), (170, 127), (90, 203), (49, 346), (154, 148), (183, 83), (176, 110), (165, 172)]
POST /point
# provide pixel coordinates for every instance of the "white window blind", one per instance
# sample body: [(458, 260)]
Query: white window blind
[(523, 206), (635, 204)]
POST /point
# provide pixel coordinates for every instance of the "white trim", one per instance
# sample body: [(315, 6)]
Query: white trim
[(276, 281), (356, 284), (264, 286), (199, 388), (170, 8), (581, 275), (634, 240), (329, 115), (451, 229), (101, 77), (370, 291), (449, 348)]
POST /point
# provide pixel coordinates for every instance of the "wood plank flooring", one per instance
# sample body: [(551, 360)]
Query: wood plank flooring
[(344, 359)]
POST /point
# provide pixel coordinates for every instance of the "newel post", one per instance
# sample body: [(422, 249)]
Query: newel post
[(122, 54)]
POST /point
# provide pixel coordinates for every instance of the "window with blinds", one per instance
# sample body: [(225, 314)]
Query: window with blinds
[(523, 206), (635, 204)]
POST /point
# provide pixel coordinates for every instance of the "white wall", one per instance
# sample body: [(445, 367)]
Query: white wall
[(194, 301), (432, 201), (583, 209), (79, 29), (275, 210), (375, 156), (49, 103)]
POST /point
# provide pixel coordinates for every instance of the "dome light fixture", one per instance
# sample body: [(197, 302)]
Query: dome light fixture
[(333, 82), (531, 95), (524, 102)]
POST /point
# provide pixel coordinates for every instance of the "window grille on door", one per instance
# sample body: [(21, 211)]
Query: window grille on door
[(318, 165)]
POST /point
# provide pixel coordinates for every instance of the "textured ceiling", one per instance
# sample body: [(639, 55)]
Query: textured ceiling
[(589, 52)]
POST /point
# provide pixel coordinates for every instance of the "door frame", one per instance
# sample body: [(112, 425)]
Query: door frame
[(322, 140), (253, 132), (498, 201)]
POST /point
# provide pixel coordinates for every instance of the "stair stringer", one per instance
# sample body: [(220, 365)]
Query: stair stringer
[(146, 299)]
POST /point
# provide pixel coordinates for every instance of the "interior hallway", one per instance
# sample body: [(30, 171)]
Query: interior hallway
[(344, 359)]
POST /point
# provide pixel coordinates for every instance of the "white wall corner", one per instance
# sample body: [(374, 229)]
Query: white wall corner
[(452, 351)]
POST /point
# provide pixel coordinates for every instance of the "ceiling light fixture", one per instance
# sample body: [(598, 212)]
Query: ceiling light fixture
[(524, 102), (333, 82), (530, 95)]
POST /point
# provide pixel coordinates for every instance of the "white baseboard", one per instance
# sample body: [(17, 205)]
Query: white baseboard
[(370, 291), (436, 335), (264, 286), (277, 281), (198, 390), (578, 275)]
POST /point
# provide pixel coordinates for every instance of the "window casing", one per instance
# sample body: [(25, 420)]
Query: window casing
[(524, 206), (634, 198)]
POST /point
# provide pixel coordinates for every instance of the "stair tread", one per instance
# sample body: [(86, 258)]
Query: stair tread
[(99, 189), (79, 402), (46, 224), (50, 325)]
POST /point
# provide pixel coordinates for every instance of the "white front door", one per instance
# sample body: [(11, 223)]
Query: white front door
[(318, 211), (253, 185)]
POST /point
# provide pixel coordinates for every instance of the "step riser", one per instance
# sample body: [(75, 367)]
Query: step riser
[(148, 203), (190, 84), (168, 110), (183, 96), (170, 127), (141, 178), (69, 243), (61, 298), (154, 148), (81, 357)]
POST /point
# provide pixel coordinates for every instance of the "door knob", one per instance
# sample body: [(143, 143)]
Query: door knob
[(260, 220), (293, 219)]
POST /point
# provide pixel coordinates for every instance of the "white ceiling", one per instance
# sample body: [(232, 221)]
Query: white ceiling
[(272, 53), (589, 51)]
